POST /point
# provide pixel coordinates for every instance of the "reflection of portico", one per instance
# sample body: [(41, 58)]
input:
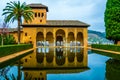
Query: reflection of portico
[(56, 58), (61, 37)]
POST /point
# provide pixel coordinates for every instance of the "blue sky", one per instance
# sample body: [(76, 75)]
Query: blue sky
[(89, 11)]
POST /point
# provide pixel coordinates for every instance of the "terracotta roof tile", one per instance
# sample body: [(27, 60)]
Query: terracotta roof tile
[(60, 23), (38, 6), (66, 22)]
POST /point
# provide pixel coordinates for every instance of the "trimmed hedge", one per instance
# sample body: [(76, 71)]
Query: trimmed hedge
[(107, 47), (10, 49)]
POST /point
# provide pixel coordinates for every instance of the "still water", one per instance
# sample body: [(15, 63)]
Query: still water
[(63, 64)]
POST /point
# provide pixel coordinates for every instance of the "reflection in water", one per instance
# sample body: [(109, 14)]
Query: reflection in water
[(113, 69), (45, 61), (40, 57), (42, 50), (40, 66), (64, 57), (60, 58), (54, 58), (80, 55), (71, 55), (11, 73), (34, 75)]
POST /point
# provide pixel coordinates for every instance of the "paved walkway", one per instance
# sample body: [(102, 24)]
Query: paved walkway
[(115, 52), (5, 58)]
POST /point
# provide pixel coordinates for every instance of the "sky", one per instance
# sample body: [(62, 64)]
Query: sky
[(88, 11)]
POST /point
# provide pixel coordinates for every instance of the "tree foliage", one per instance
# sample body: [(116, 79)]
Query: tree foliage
[(8, 39), (3, 31), (112, 20), (16, 11)]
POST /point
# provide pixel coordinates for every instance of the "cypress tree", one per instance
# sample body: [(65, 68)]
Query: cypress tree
[(112, 20)]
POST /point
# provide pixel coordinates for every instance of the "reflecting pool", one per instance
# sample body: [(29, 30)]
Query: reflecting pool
[(62, 64)]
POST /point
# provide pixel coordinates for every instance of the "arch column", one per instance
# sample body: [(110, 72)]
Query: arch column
[(54, 36), (44, 41), (85, 37), (44, 36), (75, 33), (66, 36)]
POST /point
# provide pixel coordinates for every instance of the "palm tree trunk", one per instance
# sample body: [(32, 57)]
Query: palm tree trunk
[(19, 31)]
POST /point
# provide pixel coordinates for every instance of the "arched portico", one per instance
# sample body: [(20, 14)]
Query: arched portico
[(71, 39), (79, 41), (60, 37), (49, 39), (40, 39)]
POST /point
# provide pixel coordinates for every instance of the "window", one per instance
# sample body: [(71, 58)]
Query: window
[(38, 14), (25, 34), (42, 15), (40, 20), (35, 14)]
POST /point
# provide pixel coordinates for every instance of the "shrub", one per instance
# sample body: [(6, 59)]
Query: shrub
[(107, 47), (8, 39), (10, 49)]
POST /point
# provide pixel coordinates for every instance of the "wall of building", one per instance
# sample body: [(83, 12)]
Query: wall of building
[(32, 34), (40, 16)]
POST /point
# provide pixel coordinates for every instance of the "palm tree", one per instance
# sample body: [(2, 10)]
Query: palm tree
[(16, 11)]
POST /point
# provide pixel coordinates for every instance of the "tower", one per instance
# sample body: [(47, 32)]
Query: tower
[(40, 14)]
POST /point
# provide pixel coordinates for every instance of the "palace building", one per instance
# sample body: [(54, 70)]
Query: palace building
[(43, 32)]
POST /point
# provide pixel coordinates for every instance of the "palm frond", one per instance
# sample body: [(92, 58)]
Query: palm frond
[(15, 10), (9, 12)]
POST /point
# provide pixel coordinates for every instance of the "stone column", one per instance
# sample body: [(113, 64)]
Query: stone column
[(75, 35), (54, 36), (44, 41), (66, 36), (85, 37), (44, 36)]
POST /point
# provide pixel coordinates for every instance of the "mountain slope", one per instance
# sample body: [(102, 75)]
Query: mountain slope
[(96, 37)]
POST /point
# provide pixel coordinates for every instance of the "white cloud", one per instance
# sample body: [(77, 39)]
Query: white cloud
[(89, 11)]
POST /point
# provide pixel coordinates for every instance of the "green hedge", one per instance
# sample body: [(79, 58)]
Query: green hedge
[(107, 47), (10, 49)]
